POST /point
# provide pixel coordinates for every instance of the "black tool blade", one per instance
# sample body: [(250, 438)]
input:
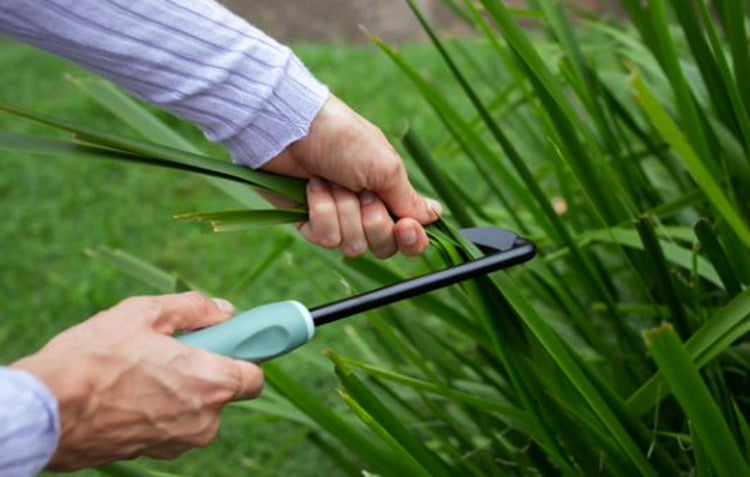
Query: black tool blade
[(503, 248)]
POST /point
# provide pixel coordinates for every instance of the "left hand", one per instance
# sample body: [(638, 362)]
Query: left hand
[(357, 180)]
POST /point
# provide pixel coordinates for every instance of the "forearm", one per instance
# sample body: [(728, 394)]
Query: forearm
[(191, 57), (29, 424)]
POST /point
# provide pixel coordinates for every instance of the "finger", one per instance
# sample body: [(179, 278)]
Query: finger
[(353, 240), (180, 312), (378, 226), (276, 201), (400, 196), (411, 237), (222, 379), (243, 380), (323, 227)]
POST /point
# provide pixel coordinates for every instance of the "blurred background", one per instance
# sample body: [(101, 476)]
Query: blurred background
[(339, 21)]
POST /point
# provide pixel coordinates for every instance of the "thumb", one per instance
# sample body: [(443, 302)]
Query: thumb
[(184, 311), (404, 201)]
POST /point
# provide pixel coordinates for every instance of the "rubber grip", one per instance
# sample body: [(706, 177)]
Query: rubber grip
[(259, 334)]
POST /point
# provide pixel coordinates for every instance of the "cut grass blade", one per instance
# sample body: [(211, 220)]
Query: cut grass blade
[(727, 325), (234, 220), (691, 392)]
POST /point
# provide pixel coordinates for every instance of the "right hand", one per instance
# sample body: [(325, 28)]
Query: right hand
[(126, 388), (357, 182)]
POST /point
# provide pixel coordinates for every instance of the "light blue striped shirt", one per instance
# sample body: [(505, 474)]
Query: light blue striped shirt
[(29, 424), (191, 57)]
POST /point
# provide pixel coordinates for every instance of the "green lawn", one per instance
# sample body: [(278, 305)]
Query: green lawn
[(54, 210)]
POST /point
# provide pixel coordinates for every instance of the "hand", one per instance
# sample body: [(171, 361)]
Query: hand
[(126, 388), (357, 182)]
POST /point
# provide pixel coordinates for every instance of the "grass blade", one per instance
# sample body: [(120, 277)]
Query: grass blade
[(234, 220), (366, 449), (691, 392), (388, 425), (693, 162), (725, 326), (290, 188), (160, 280), (663, 283), (717, 256)]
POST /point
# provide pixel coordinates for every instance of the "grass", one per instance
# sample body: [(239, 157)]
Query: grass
[(53, 211)]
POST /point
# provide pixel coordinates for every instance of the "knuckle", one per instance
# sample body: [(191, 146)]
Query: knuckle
[(138, 302), (384, 252), (354, 249), (209, 434), (392, 166), (329, 240), (375, 220), (322, 208), (144, 307), (197, 300)]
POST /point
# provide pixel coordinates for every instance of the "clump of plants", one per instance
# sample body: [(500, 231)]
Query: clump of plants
[(622, 148)]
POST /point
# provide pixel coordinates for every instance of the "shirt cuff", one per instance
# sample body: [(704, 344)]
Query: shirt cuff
[(284, 118), (29, 423)]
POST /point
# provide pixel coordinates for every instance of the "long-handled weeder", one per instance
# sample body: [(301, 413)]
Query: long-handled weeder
[(275, 329)]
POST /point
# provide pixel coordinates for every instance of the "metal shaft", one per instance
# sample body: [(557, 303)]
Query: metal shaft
[(522, 251)]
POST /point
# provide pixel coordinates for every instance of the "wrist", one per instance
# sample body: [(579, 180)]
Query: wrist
[(66, 390), (35, 417), (284, 118)]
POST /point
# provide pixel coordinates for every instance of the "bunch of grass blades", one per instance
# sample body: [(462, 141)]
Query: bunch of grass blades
[(622, 148)]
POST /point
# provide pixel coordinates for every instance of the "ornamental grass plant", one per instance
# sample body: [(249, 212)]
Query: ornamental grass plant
[(622, 148)]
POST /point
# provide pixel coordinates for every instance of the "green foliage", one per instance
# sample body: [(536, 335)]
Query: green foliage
[(622, 149)]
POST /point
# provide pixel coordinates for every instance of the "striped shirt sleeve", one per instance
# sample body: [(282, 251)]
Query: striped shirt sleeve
[(193, 58), (29, 424)]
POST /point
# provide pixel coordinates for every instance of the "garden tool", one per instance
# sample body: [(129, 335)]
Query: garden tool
[(275, 329)]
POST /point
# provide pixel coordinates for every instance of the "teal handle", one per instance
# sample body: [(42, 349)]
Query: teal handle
[(259, 334)]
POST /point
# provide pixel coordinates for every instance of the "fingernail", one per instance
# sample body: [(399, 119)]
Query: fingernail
[(366, 198), (435, 206), (224, 305), (408, 236)]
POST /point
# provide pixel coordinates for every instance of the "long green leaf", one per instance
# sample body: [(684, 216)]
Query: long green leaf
[(365, 448), (727, 325), (388, 423), (693, 162), (691, 392), (287, 187), (160, 280), (234, 220)]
